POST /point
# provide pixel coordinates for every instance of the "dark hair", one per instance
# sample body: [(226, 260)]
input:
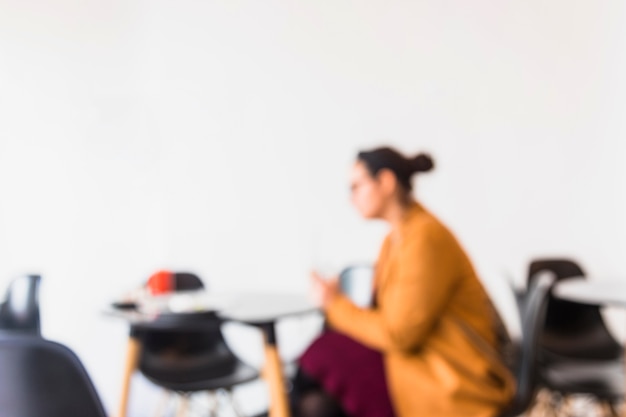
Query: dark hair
[(402, 167)]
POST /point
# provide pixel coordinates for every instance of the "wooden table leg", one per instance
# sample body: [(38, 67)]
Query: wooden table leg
[(132, 357), (273, 374)]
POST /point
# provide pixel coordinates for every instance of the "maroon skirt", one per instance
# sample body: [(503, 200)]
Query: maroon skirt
[(351, 373)]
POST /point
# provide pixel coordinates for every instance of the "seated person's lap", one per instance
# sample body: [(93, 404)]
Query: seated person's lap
[(350, 373)]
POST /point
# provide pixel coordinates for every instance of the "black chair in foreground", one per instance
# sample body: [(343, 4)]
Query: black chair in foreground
[(573, 330), (533, 315), (40, 378), (579, 356), (19, 312), (194, 357)]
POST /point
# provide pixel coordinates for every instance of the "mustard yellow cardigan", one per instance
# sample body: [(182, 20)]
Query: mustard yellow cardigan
[(428, 295)]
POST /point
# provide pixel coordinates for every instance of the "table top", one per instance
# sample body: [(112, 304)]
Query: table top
[(592, 291), (263, 307), (195, 309)]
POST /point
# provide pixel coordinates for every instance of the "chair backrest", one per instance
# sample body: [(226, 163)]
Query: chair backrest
[(356, 282), (560, 312), (20, 309), (42, 378), (533, 319), (187, 281), (173, 358), (573, 329)]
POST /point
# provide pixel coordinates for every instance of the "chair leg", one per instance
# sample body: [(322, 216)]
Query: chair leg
[(133, 351), (214, 404), (162, 405), (182, 405), (199, 406), (234, 404)]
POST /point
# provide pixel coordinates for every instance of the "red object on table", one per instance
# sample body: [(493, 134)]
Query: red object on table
[(161, 282)]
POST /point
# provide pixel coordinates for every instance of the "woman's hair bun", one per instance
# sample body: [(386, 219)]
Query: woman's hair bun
[(422, 163)]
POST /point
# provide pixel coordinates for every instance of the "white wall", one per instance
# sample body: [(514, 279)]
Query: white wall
[(216, 136)]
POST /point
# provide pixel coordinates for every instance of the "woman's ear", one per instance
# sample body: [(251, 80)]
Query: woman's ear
[(388, 181)]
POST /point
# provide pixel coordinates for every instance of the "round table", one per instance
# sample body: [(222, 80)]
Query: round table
[(595, 292), (260, 309)]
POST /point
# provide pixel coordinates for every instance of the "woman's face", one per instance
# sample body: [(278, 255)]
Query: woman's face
[(367, 192)]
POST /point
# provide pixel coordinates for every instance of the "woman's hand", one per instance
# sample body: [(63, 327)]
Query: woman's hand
[(324, 290)]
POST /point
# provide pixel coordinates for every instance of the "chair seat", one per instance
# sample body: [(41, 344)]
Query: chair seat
[(188, 362), (200, 380), (587, 343), (601, 378)]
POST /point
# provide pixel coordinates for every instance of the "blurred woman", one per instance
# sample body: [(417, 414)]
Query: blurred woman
[(428, 345)]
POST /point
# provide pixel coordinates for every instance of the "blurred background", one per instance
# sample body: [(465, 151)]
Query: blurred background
[(217, 137)]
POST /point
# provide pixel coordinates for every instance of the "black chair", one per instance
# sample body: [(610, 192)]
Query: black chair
[(194, 358), (40, 378), (533, 315), (19, 312), (573, 330), (578, 354)]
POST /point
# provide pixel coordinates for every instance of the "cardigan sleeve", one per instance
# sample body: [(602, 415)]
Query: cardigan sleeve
[(416, 292)]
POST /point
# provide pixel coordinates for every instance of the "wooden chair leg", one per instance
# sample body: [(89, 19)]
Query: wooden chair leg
[(133, 351)]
